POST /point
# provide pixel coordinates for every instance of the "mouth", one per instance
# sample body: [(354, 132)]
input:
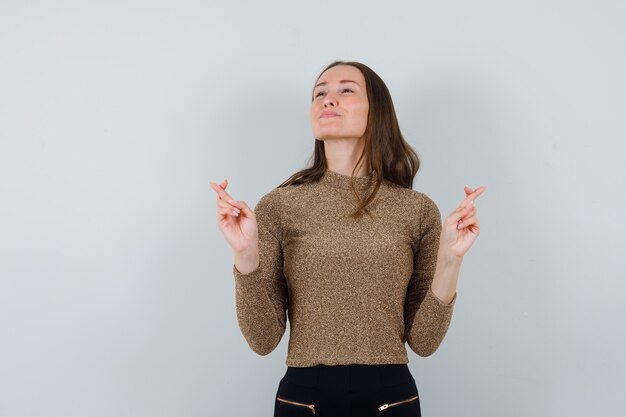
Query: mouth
[(329, 114)]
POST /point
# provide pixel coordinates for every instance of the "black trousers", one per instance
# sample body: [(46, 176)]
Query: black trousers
[(354, 390)]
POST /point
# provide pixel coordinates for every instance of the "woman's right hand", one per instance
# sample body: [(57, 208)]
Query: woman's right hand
[(235, 220)]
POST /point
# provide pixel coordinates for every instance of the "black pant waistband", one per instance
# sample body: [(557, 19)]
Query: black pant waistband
[(356, 376)]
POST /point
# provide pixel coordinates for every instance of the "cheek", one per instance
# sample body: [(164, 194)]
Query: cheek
[(311, 117), (313, 110), (363, 113)]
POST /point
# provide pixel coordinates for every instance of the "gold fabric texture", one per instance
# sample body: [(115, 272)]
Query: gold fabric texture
[(354, 291)]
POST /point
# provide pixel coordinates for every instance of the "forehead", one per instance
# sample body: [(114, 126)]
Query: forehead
[(342, 72)]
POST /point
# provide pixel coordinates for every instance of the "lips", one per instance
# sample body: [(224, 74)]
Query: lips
[(329, 114)]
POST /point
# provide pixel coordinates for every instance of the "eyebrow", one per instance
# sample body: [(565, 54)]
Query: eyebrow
[(340, 82)]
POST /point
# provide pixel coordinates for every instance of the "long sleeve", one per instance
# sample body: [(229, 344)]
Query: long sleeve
[(426, 317), (261, 295)]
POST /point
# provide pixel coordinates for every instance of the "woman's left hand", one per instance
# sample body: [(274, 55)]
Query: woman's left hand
[(461, 227)]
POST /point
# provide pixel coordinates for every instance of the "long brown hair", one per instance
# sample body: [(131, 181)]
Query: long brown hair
[(385, 148)]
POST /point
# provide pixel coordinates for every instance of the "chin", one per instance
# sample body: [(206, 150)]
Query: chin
[(322, 135), (330, 134), (326, 137)]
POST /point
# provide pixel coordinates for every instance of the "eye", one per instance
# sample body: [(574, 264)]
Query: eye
[(347, 90), (319, 94)]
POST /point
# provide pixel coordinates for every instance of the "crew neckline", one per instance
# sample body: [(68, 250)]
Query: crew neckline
[(337, 180)]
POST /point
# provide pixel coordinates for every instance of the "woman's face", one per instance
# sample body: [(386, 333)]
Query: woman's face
[(340, 106)]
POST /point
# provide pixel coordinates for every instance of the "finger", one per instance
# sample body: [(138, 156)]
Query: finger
[(471, 197), (225, 204), (476, 228), (219, 189), (467, 206), (459, 213), (245, 209), (471, 210), (473, 227), (221, 192), (466, 222), (223, 184), (224, 211)]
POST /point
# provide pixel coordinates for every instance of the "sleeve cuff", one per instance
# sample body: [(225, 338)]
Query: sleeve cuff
[(238, 274), (430, 293)]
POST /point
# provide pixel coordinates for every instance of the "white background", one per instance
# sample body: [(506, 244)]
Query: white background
[(116, 286)]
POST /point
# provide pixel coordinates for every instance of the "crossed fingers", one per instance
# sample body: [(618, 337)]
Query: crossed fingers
[(471, 195), (223, 197)]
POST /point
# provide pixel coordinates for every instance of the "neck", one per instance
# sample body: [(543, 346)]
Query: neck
[(342, 154)]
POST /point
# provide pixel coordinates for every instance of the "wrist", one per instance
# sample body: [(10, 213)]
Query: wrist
[(247, 260), (246, 252), (448, 258)]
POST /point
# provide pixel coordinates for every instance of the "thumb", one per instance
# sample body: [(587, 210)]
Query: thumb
[(243, 207)]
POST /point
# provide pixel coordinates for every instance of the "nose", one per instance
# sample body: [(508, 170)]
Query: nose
[(330, 101)]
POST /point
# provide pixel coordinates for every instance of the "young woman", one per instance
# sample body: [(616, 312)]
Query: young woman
[(357, 260)]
